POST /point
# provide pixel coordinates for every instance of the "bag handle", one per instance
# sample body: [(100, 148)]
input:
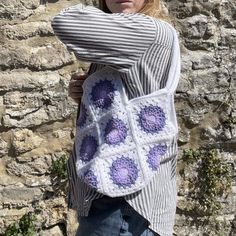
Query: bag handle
[(173, 73), (175, 67)]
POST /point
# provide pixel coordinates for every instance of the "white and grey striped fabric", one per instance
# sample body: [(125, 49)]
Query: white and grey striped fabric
[(139, 47)]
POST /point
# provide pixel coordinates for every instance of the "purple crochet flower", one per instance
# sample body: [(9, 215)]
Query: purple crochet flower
[(90, 179), (123, 172), (88, 148), (152, 119), (154, 156), (115, 131), (103, 94), (82, 116)]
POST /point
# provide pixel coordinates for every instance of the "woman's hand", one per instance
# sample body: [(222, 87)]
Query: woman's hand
[(75, 90)]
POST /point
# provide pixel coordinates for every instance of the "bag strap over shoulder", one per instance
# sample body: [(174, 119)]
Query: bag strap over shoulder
[(174, 71)]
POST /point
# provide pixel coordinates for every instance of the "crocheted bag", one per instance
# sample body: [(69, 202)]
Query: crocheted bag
[(119, 142)]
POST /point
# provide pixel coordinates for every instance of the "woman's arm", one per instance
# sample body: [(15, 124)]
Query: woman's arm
[(75, 89), (117, 40)]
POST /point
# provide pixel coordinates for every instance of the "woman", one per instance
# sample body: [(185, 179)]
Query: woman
[(125, 147)]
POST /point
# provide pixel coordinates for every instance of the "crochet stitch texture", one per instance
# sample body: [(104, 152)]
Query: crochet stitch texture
[(102, 94), (120, 143), (82, 117), (152, 119), (115, 131), (154, 156), (123, 172)]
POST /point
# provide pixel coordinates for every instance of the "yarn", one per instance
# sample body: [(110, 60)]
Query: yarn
[(123, 172), (115, 131), (154, 156), (152, 119), (120, 144), (82, 116), (102, 94), (88, 148), (90, 179)]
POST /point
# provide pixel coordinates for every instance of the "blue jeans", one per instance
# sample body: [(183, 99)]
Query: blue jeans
[(108, 217)]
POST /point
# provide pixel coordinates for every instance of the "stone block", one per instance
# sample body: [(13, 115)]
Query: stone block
[(54, 231), (62, 134), (227, 13), (14, 9), (6, 180), (200, 44), (184, 84), (195, 27), (186, 64), (228, 38), (34, 57), (14, 56), (3, 147), (9, 216), (19, 104), (14, 194), (50, 57), (202, 60), (53, 211), (213, 81), (30, 120), (184, 136), (25, 140), (26, 80), (37, 167), (38, 181), (9, 213), (26, 30), (72, 222)]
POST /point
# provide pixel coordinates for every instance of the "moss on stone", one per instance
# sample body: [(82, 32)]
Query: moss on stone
[(25, 227), (212, 181)]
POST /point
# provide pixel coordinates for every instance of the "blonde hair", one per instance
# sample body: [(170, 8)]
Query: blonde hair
[(153, 8)]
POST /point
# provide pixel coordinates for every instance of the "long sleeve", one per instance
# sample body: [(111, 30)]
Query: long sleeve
[(116, 40)]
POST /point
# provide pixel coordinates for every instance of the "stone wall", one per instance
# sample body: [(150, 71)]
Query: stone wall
[(38, 118)]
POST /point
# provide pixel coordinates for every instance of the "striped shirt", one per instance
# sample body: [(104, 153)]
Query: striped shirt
[(139, 48)]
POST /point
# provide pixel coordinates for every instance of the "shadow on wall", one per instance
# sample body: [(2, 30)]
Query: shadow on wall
[(48, 1)]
